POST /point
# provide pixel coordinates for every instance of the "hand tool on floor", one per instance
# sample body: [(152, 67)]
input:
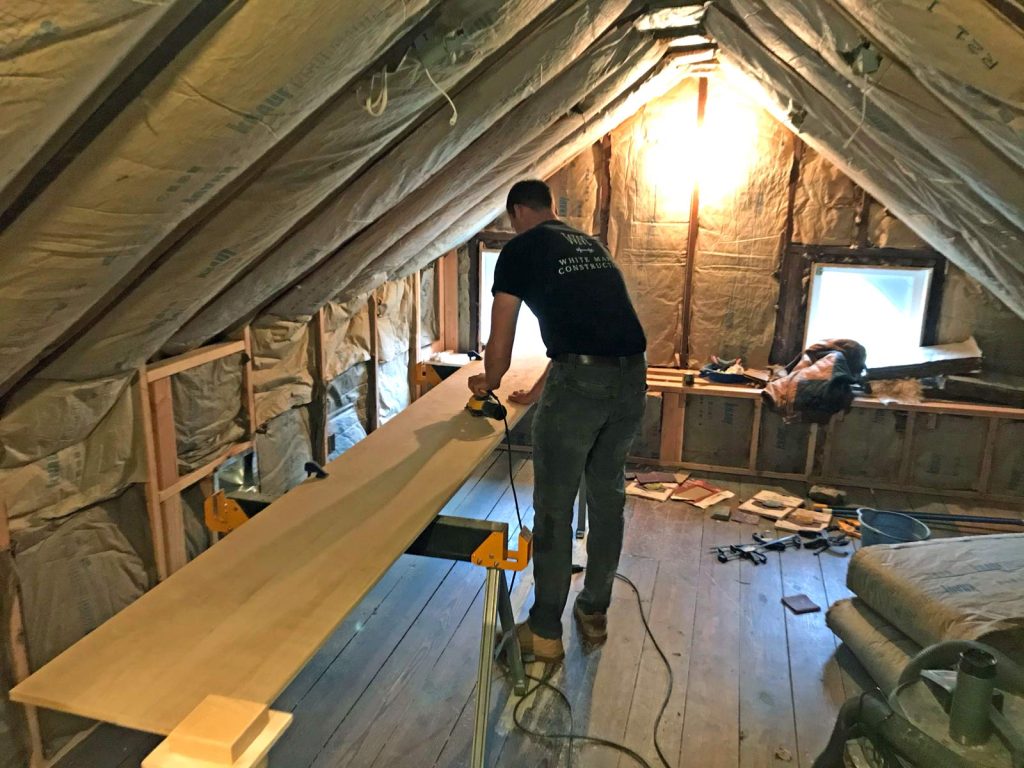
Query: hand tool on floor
[(751, 552), (780, 544)]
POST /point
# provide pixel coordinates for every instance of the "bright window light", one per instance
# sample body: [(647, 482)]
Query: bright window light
[(528, 341), (881, 307)]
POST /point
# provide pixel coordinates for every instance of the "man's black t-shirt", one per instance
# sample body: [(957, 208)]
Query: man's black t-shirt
[(571, 284)]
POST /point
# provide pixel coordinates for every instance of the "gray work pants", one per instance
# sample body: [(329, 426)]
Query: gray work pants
[(585, 422)]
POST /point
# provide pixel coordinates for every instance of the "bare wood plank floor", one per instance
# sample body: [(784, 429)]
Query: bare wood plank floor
[(754, 684)]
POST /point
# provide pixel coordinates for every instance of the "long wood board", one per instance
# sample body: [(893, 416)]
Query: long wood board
[(244, 617)]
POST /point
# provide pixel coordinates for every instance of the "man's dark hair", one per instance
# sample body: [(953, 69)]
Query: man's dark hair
[(533, 193)]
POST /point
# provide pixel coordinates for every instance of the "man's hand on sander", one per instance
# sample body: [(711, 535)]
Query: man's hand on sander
[(479, 385)]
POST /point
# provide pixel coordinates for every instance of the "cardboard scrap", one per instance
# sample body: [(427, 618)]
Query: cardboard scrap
[(700, 494), (771, 504), (656, 491), (804, 520)]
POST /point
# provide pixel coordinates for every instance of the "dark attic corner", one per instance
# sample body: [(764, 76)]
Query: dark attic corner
[(306, 401)]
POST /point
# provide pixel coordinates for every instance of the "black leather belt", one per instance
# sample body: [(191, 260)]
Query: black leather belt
[(607, 361)]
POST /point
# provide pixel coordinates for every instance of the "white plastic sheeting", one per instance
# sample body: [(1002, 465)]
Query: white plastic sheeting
[(649, 217), (106, 460), (58, 60), (895, 90), (553, 45), (742, 225), (281, 365), (349, 134), (891, 168), (215, 109), (619, 50), (968, 55), (283, 447), (434, 238)]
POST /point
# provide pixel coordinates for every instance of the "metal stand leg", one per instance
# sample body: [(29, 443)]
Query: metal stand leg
[(581, 510), (513, 654), (483, 683)]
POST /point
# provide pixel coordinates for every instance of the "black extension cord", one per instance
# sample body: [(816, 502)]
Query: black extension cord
[(571, 736)]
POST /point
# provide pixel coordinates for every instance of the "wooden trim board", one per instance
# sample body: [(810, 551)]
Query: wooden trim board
[(164, 368), (242, 619)]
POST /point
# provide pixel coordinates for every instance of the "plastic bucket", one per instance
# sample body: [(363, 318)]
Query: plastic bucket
[(878, 526)]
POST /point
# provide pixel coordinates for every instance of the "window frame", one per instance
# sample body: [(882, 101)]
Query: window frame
[(489, 239), (796, 283)]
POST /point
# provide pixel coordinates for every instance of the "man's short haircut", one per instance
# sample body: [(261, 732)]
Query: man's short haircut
[(533, 193)]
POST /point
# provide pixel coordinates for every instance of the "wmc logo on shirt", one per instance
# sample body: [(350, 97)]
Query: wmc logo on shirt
[(589, 257), (579, 242)]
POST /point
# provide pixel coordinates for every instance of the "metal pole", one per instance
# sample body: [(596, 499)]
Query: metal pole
[(513, 653), (483, 675)]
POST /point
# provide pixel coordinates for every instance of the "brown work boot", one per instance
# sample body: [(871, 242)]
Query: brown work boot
[(593, 626), (537, 648)]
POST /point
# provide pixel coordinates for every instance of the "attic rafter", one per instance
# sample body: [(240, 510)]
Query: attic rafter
[(872, 164), (542, 157), (465, 38), (900, 95), (68, 127), (609, 66), (135, 189), (552, 45)]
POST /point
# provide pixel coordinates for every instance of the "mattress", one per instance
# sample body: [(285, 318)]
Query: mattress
[(878, 645), (969, 588)]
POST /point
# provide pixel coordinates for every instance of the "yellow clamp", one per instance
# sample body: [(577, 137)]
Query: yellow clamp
[(221, 514), (494, 552)]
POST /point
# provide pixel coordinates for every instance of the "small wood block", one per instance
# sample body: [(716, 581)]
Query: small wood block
[(221, 731)]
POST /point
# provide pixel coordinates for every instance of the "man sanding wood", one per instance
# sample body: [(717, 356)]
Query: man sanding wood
[(591, 403)]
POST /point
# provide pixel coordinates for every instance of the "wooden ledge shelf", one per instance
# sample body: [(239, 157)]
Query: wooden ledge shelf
[(818, 465)]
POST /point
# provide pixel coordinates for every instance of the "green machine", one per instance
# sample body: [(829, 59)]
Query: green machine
[(958, 704)]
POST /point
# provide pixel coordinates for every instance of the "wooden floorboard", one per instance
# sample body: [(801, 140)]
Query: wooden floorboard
[(767, 732), (671, 616), (395, 686), (815, 676), (711, 715)]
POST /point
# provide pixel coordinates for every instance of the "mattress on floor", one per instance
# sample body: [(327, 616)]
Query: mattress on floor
[(878, 645), (969, 588)]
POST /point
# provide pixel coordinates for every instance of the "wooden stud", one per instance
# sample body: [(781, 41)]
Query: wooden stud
[(450, 288), (14, 639), (985, 474), (248, 384), (414, 337), (812, 449), (153, 508), (602, 214), (755, 436), (193, 359), (691, 238), (907, 455), (673, 413), (318, 408), (438, 345), (863, 220), (790, 310), (161, 403), (207, 470), (373, 407)]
